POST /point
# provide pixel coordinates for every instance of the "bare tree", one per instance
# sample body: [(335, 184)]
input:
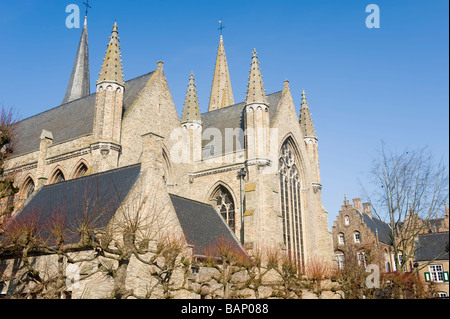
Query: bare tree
[(352, 276), (227, 261), (410, 188), (41, 250), (43, 246), (290, 274), (7, 190), (141, 232)]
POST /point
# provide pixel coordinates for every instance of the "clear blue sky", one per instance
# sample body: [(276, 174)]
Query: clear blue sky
[(363, 85)]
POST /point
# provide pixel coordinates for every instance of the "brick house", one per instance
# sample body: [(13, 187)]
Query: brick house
[(357, 234)]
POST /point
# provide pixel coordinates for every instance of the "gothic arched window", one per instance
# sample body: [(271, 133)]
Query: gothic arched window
[(290, 203), (223, 201), (58, 177), (81, 171), (28, 188)]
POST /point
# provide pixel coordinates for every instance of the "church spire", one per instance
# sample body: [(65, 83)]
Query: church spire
[(191, 111), (112, 63), (255, 92), (79, 84), (221, 83), (306, 123)]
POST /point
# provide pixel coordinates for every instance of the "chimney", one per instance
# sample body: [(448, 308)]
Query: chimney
[(160, 65), (367, 209), (357, 204)]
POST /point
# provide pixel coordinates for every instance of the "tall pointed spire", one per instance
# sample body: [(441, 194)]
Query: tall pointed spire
[(221, 83), (306, 123), (191, 111), (112, 63), (79, 84), (255, 92)]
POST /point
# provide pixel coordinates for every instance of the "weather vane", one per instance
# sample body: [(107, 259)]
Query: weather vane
[(221, 27), (87, 6)]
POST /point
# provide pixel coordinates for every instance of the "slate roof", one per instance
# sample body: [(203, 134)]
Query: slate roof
[(232, 117), (202, 225), (435, 224), (68, 121), (375, 225), (432, 247), (94, 198)]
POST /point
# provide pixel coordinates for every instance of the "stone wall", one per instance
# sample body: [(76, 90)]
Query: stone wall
[(189, 279)]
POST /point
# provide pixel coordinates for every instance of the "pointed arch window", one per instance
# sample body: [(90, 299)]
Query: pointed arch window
[(28, 188), (290, 197), (58, 177), (81, 171), (223, 201)]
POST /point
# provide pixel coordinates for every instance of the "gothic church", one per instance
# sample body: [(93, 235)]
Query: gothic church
[(248, 171)]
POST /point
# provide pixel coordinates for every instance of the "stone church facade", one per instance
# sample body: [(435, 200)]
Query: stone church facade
[(256, 162)]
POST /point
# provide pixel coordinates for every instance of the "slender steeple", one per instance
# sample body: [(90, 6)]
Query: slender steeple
[(306, 123), (107, 147), (112, 63), (255, 92), (191, 111), (221, 86), (79, 84)]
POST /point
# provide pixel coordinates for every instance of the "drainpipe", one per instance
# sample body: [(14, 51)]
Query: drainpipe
[(241, 174)]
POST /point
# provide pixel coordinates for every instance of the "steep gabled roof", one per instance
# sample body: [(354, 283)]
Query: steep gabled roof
[(95, 199), (202, 226), (68, 121), (384, 231)]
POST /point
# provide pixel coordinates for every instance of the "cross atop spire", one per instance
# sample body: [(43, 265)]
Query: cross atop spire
[(221, 27), (87, 7)]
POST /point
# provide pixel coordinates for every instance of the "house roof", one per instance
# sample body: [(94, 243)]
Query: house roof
[(376, 225), (92, 199), (432, 247), (203, 227), (68, 121), (232, 117)]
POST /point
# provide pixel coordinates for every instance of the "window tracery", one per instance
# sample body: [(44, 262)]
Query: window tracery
[(224, 203), (291, 204)]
